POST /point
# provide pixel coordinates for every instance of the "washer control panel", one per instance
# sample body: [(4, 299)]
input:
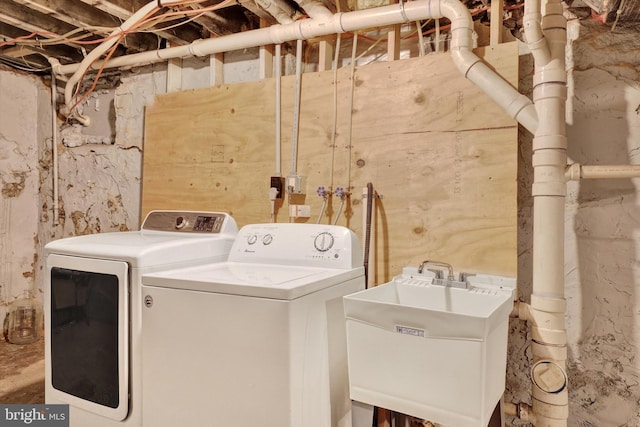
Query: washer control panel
[(297, 244)]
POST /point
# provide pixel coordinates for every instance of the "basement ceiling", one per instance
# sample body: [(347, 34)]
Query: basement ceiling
[(31, 31)]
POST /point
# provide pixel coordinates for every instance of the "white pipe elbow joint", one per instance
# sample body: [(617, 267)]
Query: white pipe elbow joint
[(464, 59), (457, 12)]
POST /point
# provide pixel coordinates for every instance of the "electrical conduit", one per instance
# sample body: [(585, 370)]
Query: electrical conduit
[(472, 67)]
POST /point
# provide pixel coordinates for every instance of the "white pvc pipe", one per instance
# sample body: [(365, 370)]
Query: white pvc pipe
[(278, 107), (54, 149), (546, 37), (315, 9), (576, 172), (296, 110), (533, 31), (518, 106), (276, 9)]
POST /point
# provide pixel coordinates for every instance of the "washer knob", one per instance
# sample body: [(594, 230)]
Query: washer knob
[(323, 241)]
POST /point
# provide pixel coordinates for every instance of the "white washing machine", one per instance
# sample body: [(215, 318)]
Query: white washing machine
[(92, 309), (258, 340)]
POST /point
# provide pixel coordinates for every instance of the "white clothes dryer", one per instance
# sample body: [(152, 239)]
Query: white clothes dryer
[(257, 340), (92, 309)]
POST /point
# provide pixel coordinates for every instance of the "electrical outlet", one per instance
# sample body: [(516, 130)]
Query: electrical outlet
[(295, 184), (299, 211), (304, 211), (277, 182)]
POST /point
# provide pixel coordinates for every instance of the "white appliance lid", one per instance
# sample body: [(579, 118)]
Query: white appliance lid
[(149, 247), (256, 280)]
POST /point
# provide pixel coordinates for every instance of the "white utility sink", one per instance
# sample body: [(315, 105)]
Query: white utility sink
[(431, 351)]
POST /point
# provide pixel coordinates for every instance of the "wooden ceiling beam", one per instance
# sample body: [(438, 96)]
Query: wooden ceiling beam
[(65, 54), (80, 15), (124, 9)]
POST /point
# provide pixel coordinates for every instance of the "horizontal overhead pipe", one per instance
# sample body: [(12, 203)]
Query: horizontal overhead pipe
[(473, 68)]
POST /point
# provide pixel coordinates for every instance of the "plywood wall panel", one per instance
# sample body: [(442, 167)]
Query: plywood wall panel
[(438, 151)]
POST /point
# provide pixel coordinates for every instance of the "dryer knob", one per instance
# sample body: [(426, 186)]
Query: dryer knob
[(181, 222)]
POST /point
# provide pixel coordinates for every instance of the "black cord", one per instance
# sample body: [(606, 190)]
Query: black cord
[(367, 236)]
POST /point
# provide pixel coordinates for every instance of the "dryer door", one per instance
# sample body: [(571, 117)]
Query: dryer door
[(87, 334)]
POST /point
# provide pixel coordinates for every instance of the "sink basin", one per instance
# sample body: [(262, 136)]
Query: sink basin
[(431, 351)]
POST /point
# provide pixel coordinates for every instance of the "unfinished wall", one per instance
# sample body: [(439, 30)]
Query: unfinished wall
[(602, 221), (19, 184), (432, 144), (603, 229)]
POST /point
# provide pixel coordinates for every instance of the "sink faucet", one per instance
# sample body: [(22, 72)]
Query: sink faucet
[(437, 264)]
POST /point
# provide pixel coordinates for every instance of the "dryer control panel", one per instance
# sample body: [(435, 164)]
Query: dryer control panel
[(297, 244), (189, 222)]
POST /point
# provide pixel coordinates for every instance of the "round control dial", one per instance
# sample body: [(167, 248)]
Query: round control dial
[(181, 222), (252, 239), (323, 241)]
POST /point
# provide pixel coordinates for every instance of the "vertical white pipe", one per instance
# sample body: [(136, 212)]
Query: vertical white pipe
[(54, 148), (278, 107), (547, 40), (354, 49), (296, 109), (334, 126), (421, 50)]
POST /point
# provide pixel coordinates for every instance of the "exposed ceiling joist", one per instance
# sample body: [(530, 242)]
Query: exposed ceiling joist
[(97, 18)]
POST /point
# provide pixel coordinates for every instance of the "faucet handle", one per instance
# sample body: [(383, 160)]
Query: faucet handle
[(438, 273)]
